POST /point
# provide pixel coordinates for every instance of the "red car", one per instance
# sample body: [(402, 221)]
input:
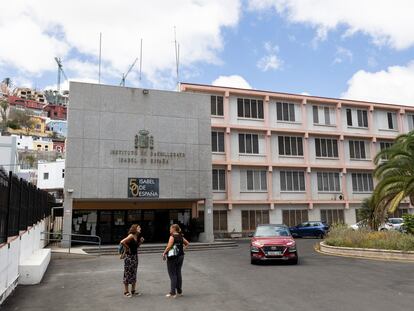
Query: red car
[(273, 242)]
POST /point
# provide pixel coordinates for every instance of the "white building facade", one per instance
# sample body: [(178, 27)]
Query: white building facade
[(285, 158)]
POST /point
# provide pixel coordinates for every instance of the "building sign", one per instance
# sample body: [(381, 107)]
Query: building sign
[(143, 188), (144, 152)]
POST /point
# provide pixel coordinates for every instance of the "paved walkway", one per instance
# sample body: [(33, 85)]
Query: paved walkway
[(225, 280)]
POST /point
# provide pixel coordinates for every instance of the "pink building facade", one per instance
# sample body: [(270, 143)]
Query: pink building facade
[(286, 158)]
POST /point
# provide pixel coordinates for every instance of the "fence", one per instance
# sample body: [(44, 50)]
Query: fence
[(22, 205)]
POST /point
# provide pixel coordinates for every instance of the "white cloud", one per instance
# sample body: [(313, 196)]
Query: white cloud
[(342, 54), (232, 81), (270, 61), (394, 85), (387, 22), (37, 31)]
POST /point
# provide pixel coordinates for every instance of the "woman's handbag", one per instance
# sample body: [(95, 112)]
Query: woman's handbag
[(121, 251), (173, 252)]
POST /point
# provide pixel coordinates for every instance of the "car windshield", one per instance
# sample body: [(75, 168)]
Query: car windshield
[(396, 221), (271, 231)]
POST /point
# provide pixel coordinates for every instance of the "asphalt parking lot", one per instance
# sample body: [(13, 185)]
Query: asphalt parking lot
[(225, 280)]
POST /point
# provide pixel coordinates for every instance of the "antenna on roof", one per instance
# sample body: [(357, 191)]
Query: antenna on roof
[(177, 55), (127, 73), (100, 57), (140, 62)]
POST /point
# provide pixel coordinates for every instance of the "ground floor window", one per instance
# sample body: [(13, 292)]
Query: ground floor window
[(220, 221), (358, 215), (399, 213), (294, 217), (250, 219), (333, 216)]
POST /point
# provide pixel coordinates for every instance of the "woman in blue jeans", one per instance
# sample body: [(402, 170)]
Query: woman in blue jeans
[(175, 250)]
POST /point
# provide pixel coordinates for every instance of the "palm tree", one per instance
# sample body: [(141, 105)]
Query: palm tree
[(395, 175), (367, 213)]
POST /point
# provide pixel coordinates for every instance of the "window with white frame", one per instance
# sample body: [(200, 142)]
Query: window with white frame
[(392, 120), (357, 150), (357, 117), (285, 112), (217, 105), (253, 180), (326, 148), (252, 218), (293, 181), (250, 108), (217, 141), (293, 217), (290, 146), (219, 179), (323, 115), (385, 145), (362, 182), (328, 182), (410, 121), (249, 143)]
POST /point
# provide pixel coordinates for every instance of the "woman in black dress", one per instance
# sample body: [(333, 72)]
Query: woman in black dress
[(131, 244), (174, 253)]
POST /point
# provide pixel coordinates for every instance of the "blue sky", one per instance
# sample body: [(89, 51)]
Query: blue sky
[(354, 49)]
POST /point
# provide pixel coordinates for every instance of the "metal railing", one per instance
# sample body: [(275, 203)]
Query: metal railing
[(70, 240)]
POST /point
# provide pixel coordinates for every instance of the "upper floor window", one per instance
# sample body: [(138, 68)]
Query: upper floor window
[(323, 115), (255, 180), (361, 117), (290, 146), (250, 108), (45, 176), (328, 182), (285, 112), (219, 179), (410, 121), (362, 182), (249, 143), (326, 148), (392, 120), (217, 141), (385, 145), (357, 150), (292, 181), (217, 105)]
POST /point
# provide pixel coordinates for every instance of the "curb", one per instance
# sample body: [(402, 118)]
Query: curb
[(366, 253)]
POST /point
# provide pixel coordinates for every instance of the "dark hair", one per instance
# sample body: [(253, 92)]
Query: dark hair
[(176, 228), (133, 229)]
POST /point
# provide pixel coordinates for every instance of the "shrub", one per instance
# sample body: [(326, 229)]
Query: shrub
[(391, 240), (409, 223)]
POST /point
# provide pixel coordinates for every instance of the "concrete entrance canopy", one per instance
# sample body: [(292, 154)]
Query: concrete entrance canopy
[(137, 149)]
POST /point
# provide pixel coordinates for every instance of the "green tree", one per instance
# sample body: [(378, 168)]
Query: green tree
[(367, 213), (395, 173)]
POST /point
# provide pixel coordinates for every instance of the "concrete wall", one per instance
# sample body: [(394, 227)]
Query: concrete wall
[(8, 153), (12, 255), (55, 171), (106, 118)]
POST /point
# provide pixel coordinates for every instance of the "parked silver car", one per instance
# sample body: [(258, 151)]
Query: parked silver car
[(392, 224)]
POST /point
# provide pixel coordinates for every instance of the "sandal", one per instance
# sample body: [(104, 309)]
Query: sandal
[(127, 295), (134, 293)]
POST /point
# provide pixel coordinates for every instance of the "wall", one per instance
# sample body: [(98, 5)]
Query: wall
[(14, 253), (8, 153), (55, 170)]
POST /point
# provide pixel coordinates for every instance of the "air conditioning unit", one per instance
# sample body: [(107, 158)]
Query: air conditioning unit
[(341, 197)]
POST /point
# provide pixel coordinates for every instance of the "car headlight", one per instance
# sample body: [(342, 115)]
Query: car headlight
[(290, 244), (254, 249), (292, 249)]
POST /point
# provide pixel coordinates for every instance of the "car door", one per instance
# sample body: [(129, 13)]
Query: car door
[(304, 229)]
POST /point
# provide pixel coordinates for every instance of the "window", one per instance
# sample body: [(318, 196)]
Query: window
[(322, 115), (357, 150), (220, 221), (333, 216), (249, 143), (250, 108), (250, 219), (290, 146), (362, 118), (63, 173), (391, 118), (326, 148), (38, 126), (255, 180), (217, 105), (285, 112), (362, 182), (219, 179), (45, 176), (410, 121), (385, 145), (398, 213), (292, 181), (294, 217), (328, 182), (46, 147), (217, 141)]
